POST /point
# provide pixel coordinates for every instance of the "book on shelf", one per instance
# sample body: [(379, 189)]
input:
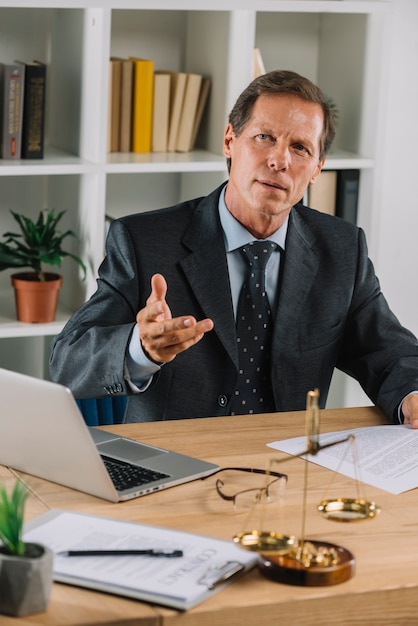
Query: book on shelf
[(33, 122), (348, 182), (188, 112), (322, 194), (161, 111), (258, 63), (115, 76), (142, 104), (153, 110), (204, 566), (178, 85), (12, 77), (109, 108), (125, 131), (201, 105)]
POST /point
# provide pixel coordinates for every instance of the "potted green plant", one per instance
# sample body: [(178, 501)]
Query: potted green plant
[(25, 568), (37, 244)]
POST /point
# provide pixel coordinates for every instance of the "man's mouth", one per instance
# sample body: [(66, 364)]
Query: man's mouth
[(274, 185)]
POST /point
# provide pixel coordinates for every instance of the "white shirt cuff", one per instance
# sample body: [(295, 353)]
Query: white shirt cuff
[(139, 369)]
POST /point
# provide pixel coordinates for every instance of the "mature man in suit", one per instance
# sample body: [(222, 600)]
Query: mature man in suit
[(161, 326)]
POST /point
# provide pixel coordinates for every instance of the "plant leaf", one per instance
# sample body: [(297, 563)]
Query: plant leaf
[(11, 517), (37, 243)]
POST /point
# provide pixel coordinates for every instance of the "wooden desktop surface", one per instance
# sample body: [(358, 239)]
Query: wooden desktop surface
[(383, 591)]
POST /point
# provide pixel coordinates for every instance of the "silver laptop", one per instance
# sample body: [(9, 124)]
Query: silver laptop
[(43, 433)]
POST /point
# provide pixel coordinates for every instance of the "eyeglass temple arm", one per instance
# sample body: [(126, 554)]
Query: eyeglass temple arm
[(246, 469)]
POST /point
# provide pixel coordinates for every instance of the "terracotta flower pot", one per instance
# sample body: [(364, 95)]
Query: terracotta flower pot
[(36, 301), (25, 581)]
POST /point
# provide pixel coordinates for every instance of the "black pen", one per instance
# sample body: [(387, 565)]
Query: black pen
[(152, 552)]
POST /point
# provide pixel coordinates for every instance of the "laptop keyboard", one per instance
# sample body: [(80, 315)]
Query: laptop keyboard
[(125, 475)]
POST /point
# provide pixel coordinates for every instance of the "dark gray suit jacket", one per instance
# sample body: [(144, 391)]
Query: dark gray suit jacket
[(330, 313)]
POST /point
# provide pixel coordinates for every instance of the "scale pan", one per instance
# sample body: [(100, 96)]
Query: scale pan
[(266, 542), (348, 509)]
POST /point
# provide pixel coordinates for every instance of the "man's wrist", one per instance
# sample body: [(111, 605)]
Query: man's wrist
[(140, 368), (401, 416)]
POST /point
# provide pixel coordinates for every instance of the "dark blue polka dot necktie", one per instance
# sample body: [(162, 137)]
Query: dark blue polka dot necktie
[(253, 393)]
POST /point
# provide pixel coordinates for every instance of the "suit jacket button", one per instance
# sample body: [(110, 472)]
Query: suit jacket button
[(222, 400)]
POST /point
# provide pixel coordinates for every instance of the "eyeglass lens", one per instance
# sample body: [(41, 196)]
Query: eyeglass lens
[(244, 491)]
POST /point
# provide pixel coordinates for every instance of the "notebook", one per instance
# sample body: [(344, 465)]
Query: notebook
[(43, 433)]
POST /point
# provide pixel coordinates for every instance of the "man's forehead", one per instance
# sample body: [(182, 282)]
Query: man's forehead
[(289, 114)]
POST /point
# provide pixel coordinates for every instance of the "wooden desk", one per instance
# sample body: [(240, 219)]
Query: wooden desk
[(383, 591)]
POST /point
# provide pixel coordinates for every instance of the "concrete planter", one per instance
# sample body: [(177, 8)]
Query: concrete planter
[(25, 581)]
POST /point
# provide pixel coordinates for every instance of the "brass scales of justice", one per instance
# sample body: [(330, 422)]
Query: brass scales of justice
[(299, 561)]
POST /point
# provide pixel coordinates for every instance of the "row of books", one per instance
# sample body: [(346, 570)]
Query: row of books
[(153, 111), (336, 192), (22, 110)]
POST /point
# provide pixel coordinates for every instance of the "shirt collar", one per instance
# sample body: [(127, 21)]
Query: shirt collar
[(236, 235)]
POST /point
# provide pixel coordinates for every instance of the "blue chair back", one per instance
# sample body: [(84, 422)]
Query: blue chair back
[(103, 411)]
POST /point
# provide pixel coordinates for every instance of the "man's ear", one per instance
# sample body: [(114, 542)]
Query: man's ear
[(228, 137), (317, 172)]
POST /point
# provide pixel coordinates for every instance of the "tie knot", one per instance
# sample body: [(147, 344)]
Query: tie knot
[(258, 253)]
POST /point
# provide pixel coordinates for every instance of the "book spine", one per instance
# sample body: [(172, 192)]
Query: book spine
[(178, 87), (115, 79), (188, 114), (126, 106), (322, 195), (203, 97), (348, 182), (33, 124), (142, 105), (12, 111), (161, 111)]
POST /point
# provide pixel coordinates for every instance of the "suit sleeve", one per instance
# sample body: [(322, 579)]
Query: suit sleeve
[(377, 350), (88, 355)]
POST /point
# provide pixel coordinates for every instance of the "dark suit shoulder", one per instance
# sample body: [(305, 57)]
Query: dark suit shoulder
[(318, 219), (174, 213), (315, 226)]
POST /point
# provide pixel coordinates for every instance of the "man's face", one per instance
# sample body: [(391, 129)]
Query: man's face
[(273, 161)]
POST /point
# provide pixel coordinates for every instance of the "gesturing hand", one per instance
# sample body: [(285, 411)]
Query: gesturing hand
[(162, 336)]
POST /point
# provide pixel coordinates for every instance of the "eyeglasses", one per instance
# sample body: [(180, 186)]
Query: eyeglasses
[(244, 493)]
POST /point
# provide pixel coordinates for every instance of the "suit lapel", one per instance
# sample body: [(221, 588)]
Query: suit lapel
[(299, 272), (207, 260), (207, 257)]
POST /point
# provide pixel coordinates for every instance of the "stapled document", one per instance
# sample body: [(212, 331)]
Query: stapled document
[(207, 564)]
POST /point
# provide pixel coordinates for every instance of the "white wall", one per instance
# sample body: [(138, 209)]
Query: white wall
[(393, 240), (396, 247)]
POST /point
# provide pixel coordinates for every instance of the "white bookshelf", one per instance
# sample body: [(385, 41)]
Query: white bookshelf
[(336, 43)]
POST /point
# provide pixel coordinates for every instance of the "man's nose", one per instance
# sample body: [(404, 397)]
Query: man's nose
[(278, 158)]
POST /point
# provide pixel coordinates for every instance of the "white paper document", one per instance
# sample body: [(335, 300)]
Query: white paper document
[(207, 564), (383, 456)]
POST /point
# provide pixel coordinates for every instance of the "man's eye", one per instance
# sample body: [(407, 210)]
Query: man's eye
[(299, 147), (263, 136)]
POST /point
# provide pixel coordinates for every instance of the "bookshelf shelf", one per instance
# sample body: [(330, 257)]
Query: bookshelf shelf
[(341, 160), (300, 6), (10, 328), (54, 162), (195, 161), (336, 43)]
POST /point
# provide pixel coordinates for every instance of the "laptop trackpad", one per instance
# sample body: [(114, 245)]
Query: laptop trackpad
[(128, 450)]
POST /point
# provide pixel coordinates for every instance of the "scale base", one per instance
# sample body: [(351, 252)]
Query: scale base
[(290, 570)]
